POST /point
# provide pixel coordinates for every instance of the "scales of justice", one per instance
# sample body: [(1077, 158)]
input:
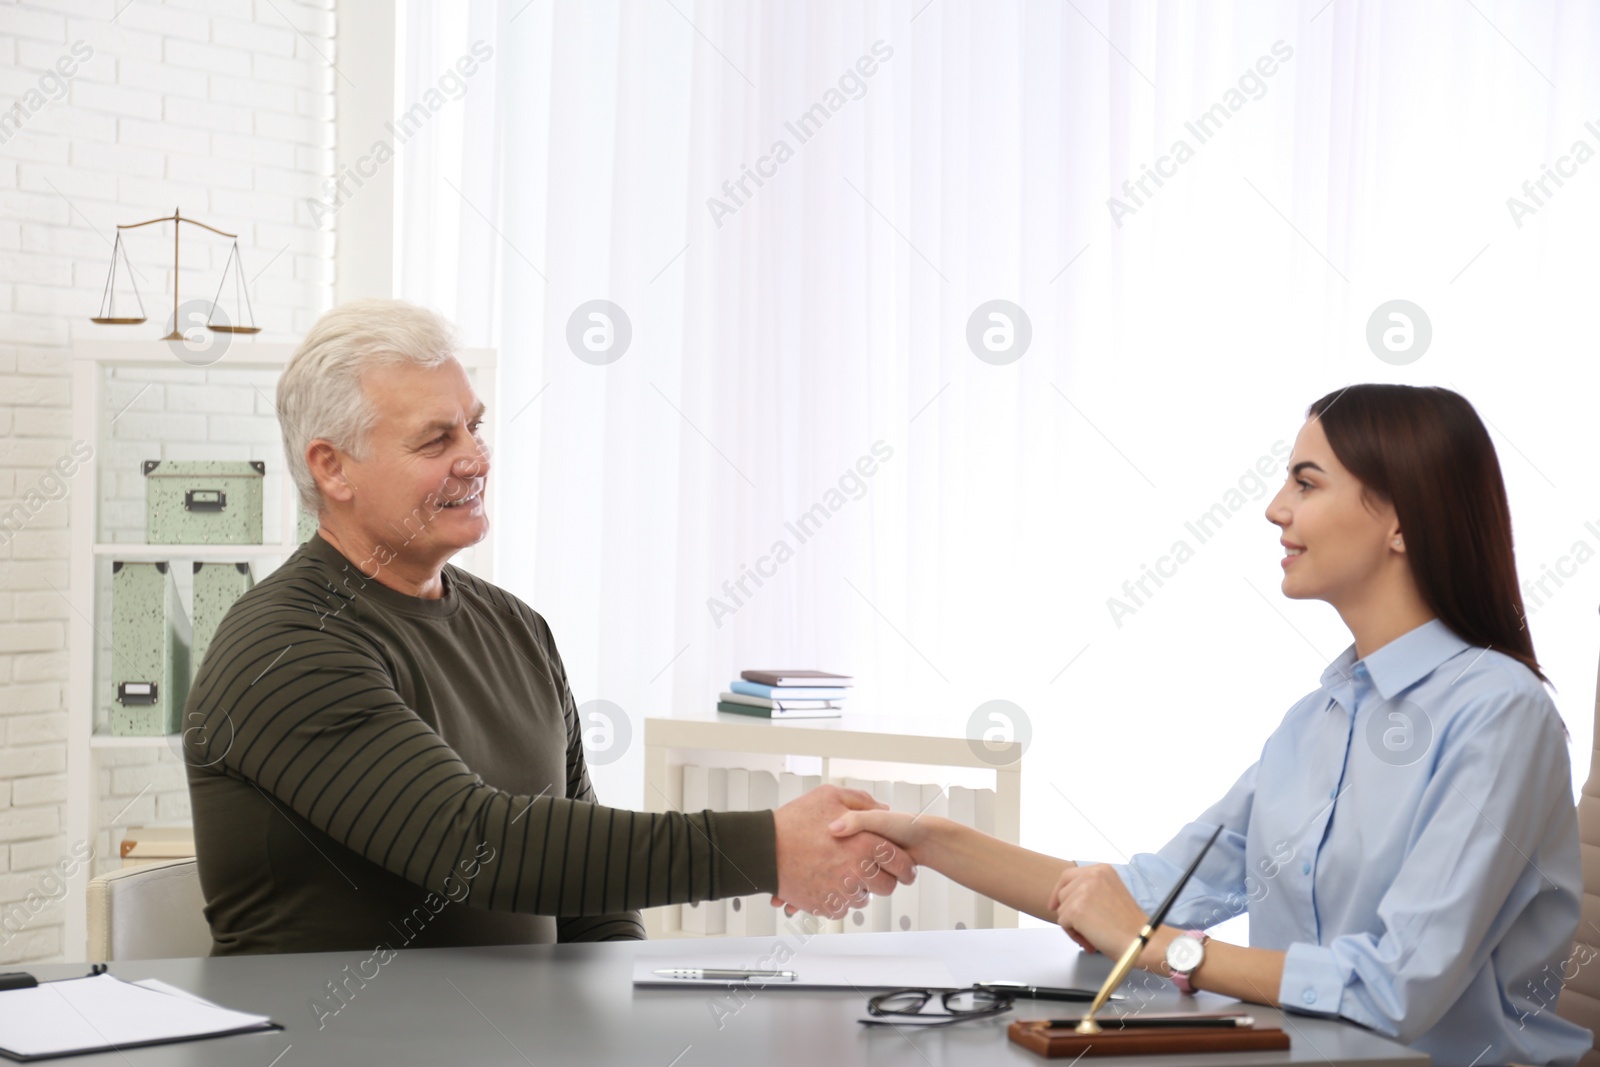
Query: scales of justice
[(108, 300)]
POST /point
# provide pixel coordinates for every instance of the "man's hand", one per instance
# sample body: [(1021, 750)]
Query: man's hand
[(825, 875), (1096, 910)]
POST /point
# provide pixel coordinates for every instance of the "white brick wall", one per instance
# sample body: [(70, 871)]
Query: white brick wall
[(224, 108)]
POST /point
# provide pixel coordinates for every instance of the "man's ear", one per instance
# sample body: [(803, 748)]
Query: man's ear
[(327, 467)]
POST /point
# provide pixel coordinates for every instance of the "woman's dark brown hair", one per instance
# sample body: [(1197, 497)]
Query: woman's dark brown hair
[(1425, 451)]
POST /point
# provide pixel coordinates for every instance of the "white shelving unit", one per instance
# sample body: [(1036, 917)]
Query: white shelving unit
[(91, 360), (718, 738)]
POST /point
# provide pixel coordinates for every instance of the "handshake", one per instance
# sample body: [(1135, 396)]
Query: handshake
[(836, 847), (830, 861)]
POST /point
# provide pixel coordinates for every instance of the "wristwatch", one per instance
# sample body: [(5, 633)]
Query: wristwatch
[(1186, 953)]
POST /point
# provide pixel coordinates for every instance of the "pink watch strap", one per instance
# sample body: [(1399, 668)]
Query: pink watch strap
[(1181, 978)]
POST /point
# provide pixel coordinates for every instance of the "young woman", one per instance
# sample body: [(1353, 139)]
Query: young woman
[(1406, 845)]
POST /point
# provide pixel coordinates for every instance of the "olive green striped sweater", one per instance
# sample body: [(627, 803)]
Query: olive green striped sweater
[(367, 767)]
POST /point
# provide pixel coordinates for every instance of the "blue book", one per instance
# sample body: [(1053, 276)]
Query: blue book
[(788, 692)]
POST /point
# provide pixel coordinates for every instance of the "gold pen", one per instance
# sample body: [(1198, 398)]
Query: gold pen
[(1087, 1024)]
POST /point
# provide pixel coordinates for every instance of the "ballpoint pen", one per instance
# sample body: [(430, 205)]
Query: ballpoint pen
[(1152, 1022), (724, 974), (1041, 992)]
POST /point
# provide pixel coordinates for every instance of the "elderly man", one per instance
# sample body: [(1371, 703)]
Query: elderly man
[(383, 750)]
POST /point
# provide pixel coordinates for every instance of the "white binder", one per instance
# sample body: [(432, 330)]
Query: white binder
[(934, 887), (705, 788), (753, 915)]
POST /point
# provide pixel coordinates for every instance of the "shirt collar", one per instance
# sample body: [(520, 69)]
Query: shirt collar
[(1401, 663)]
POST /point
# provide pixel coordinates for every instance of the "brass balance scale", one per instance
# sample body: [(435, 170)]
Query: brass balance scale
[(108, 300)]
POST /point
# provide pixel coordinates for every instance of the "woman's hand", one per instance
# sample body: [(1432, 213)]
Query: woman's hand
[(1096, 910), (909, 832)]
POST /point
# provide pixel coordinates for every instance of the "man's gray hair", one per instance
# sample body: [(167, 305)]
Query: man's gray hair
[(319, 394)]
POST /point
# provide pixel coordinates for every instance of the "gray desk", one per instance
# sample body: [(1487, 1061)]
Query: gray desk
[(551, 1005)]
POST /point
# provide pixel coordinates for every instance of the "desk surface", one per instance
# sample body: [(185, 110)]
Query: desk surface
[(575, 1004)]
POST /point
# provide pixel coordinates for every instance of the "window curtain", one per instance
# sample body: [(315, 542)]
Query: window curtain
[(824, 444)]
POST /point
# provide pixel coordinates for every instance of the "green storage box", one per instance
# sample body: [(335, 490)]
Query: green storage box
[(307, 525), (150, 658), (216, 587), (203, 502)]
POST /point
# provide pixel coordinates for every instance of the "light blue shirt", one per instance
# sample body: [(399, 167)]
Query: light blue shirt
[(1409, 837)]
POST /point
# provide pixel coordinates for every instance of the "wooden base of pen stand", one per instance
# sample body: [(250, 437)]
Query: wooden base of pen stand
[(1132, 1041)]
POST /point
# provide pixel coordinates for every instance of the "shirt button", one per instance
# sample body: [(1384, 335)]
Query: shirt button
[(1309, 996), (1305, 868)]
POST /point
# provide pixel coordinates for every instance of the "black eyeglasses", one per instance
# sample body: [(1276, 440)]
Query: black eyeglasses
[(902, 1006)]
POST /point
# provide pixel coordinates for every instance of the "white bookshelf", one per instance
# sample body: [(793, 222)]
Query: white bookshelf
[(860, 741), (91, 360)]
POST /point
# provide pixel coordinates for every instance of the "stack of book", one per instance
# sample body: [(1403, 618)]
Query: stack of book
[(787, 694)]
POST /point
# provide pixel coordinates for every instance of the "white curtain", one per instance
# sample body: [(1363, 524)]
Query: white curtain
[(1342, 155)]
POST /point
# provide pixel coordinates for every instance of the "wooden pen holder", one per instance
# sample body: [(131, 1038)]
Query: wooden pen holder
[(1036, 1035)]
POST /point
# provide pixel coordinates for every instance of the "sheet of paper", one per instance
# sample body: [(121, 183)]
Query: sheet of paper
[(97, 1012), (816, 971), (171, 990)]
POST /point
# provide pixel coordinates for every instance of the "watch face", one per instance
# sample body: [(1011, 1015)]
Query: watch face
[(1185, 953)]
